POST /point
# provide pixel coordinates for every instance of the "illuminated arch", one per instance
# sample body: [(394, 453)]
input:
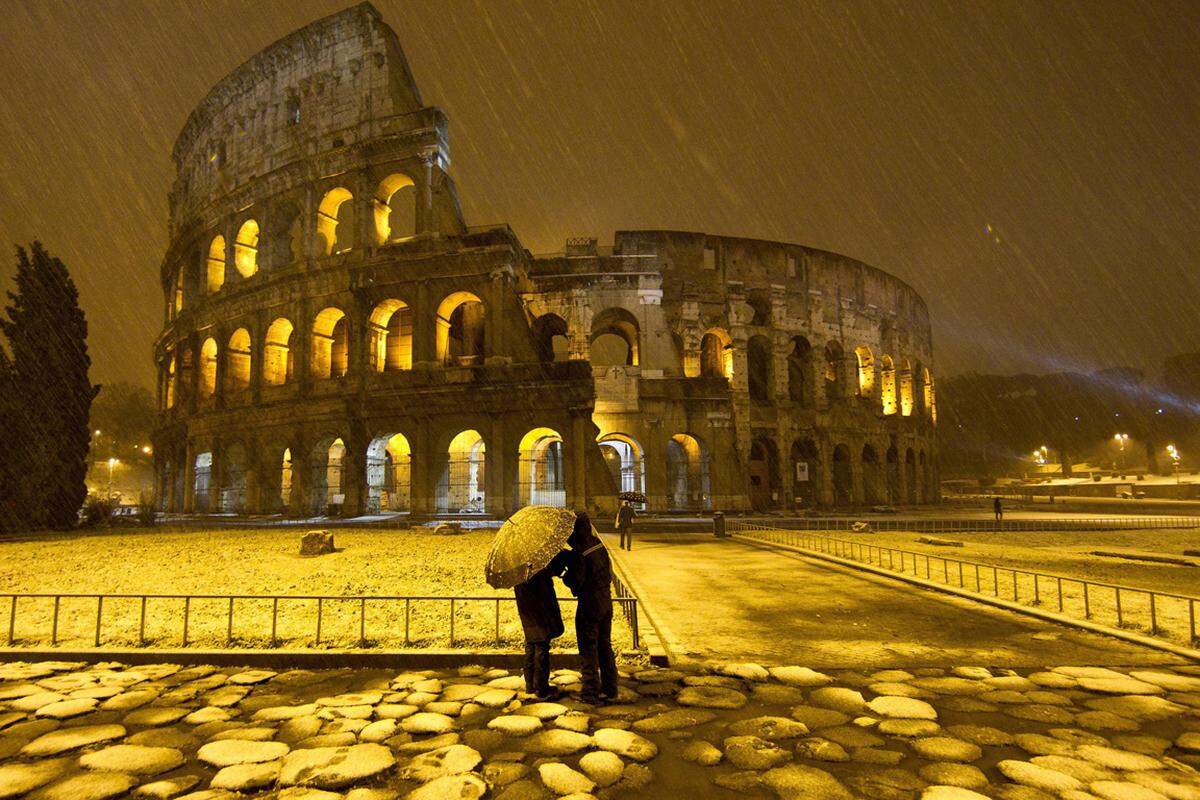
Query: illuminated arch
[(328, 489), (215, 270), (687, 473), (624, 457), (389, 473), (177, 292), (461, 320), (540, 469), (233, 479), (208, 368), (866, 370), (245, 249), (462, 486), (169, 391), (285, 479), (335, 221), (395, 205), (201, 482), (330, 344), (887, 385), (615, 338), (906, 389), (716, 354), (391, 336), (930, 395), (278, 358), (237, 361)]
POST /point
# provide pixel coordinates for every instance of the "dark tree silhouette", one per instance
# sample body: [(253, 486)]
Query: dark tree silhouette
[(49, 389)]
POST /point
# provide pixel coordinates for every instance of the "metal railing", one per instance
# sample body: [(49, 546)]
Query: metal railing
[(218, 613), (950, 525), (1166, 615)]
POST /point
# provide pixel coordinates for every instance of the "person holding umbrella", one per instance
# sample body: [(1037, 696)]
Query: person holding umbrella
[(589, 575), (526, 554)]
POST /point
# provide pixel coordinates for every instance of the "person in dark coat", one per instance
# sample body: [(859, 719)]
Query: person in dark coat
[(998, 509), (589, 575), (625, 517), (541, 621)]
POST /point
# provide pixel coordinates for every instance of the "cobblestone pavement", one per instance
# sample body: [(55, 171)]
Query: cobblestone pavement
[(76, 732), (775, 606)]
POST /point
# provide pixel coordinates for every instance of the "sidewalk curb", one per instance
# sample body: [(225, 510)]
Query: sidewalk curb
[(663, 652), (1048, 616)]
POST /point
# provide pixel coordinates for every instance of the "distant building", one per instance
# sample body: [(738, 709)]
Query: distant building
[(338, 338)]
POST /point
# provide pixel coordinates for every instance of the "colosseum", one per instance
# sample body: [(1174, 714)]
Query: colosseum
[(339, 341)]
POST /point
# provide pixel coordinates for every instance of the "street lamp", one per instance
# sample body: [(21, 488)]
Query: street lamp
[(1121, 439), (1173, 452), (112, 462)]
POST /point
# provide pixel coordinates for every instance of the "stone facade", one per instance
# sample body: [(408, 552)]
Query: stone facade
[(337, 339)]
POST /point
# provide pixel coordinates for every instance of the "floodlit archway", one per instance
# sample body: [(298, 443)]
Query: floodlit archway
[(800, 372), (462, 487), (460, 329), (843, 476), (758, 369), (625, 461), (806, 465), (389, 473), (716, 354), (245, 249), (550, 337), (201, 482), (764, 474), (834, 363), (285, 480), (540, 476), (233, 483), (237, 362), (906, 390), (887, 385), (930, 395), (278, 357), (330, 344), (215, 265), (328, 492), (866, 370), (169, 382), (335, 221), (391, 336), (687, 474), (395, 205), (870, 475), (208, 368), (614, 339)]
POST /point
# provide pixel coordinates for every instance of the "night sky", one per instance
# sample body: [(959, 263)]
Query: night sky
[(1031, 168)]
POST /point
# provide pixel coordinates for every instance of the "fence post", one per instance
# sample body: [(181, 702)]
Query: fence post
[(99, 612), (1120, 619), (187, 605), (274, 620), (229, 624), (142, 624), (497, 621), (452, 622), (362, 622), (407, 616), (54, 625), (320, 609), (12, 619), (1153, 615)]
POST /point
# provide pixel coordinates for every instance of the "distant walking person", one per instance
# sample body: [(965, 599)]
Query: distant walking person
[(589, 575), (998, 508), (541, 621), (625, 518)]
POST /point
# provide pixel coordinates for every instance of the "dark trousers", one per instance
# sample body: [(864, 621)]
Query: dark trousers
[(626, 539), (597, 663), (537, 667)]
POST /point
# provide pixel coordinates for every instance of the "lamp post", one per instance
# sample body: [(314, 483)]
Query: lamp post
[(1173, 452), (1121, 439)]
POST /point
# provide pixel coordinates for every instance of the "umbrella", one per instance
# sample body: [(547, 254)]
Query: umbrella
[(526, 542), (633, 497)]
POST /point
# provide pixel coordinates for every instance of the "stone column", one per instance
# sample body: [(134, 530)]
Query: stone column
[(499, 485), (575, 462), (221, 335), (425, 328), (824, 489), (496, 347), (189, 478), (253, 502), (354, 471), (421, 477)]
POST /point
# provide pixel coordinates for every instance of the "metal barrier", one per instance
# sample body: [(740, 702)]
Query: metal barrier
[(1163, 614), (624, 600), (950, 525)]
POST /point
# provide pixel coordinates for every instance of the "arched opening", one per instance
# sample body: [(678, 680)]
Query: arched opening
[(462, 488), (764, 474), (285, 480), (893, 475), (201, 481), (800, 372), (285, 236), (887, 385), (185, 368), (395, 205), (760, 305), (391, 335), (215, 272), (625, 461), (550, 338), (278, 357), (930, 395), (614, 339), (687, 474), (233, 479), (389, 473), (177, 293), (910, 476), (330, 344), (806, 463), (208, 369), (843, 480), (328, 493), (716, 354), (169, 390), (245, 249), (237, 362), (335, 221), (758, 369), (870, 475), (460, 330), (866, 370), (834, 361), (906, 390), (540, 469)]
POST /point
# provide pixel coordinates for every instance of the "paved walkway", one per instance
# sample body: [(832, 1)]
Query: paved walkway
[(726, 600), (723, 731)]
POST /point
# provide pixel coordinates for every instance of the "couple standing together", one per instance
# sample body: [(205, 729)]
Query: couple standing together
[(585, 569)]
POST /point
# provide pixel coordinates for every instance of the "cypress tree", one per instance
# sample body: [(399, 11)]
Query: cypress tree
[(47, 334)]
